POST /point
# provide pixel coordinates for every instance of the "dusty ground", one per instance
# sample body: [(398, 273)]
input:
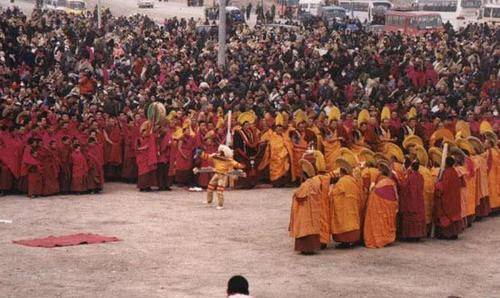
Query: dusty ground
[(174, 246)]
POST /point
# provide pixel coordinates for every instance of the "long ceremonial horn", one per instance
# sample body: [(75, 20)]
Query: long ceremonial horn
[(228, 134)]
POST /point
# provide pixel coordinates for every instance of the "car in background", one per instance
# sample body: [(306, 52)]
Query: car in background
[(145, 4), (75, 6), (234, 14)]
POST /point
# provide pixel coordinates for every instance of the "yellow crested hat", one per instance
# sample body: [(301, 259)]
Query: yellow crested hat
[(435, 155), (463, 128), (465, 145), (476, 144), (170, 116), (334, 114), (209, 135), (386, 114), (248, 116), (485, 126), (299, 116), (349, 156), (366, 155), (279, 120), (363, 117), (177, 133), (441, 134), (412, 113), (422, 156), (342, 163), (392, 150), (320, 162), (412, 140), (307, 168), (491, 136)]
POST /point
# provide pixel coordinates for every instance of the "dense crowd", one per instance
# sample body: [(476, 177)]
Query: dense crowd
[(75, 98)]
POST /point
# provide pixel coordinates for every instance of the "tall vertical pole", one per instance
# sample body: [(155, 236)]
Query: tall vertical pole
[(221, 58), (99, 14)]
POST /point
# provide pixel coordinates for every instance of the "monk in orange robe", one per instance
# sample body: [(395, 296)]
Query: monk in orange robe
[(493, 163), (279, 157), (467, 170), (307, 224), (299, 146), (429, 183), (346, 207), (381, 211), (448, 204), (482, 191), (334, 136)]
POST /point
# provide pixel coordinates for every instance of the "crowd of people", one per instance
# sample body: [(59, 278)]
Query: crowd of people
[(143, 103)]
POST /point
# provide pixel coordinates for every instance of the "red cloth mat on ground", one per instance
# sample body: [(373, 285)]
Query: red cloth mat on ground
[(69, 240)]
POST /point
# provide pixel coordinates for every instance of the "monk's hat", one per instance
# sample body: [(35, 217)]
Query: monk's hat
[(363, 117), (465, 145), (485, 126), (384, 165), (299, 116), (342, 163), (412, 140), (279, 120), (156, 111), (307, 168), (245, 117), (441, 134), (319, 161), (386, 114), (412, 113), (463, 128), (435, 155), (177, 133), (145, 127), (209, 135), (476, 144), (349, 156), (392, 150), (366, 155), (228, 152), (491, 136), (422, 156), (456, 152), (379, 157), (334, 114)]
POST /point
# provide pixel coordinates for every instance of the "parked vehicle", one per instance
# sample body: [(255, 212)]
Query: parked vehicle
[(145, 3), (490, 14), (332, 14), (75, 6), (310, 6), (458, 12), (413, 22), (365, 10)]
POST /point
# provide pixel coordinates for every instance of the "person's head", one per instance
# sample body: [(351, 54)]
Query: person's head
[(237, 285), (450, 162), (415, 165)]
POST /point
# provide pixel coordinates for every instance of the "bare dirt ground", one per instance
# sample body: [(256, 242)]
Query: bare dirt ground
[(174, 246)]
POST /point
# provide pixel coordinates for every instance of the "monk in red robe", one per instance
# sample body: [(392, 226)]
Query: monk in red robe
[(113, 150), (51, 168), (448, 204), (147, 159), (33, 169), (79, 171), (184, 159), (9, 161), (95, 161), (165, 143), (65, 151), (129, 167), (411, 204)]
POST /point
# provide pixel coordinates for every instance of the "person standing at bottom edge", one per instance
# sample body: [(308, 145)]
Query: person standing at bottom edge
[(237, 286)]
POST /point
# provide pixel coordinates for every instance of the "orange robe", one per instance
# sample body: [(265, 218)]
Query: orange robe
[(279, 152), (307, 217), (429, 183), (493, 162), (346, 206), (468, 171), (482, 191), (381, 212), (298, 150), (331, 147)]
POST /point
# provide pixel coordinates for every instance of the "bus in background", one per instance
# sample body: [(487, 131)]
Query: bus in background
[(365, 10), (54, 4), (490, 14), (459, 13), (412, 22), (310, 6), (75, 6)]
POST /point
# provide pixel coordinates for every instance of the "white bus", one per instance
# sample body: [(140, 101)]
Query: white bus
[(310, 6), (491, 14), (364, 10), (54, 4), (458, 12)]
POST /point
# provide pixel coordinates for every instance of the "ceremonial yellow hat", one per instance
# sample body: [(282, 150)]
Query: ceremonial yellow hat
[(248, 116), (463, 128), (320, 162), (412, 140), (177, 133), (220, 111), (491, 136), (145, 127), (379, 156), (393, 151), (279, 120), (307, 168), (457, 152), (363, 117), (170, 115), (441, 134), (435, 155), (465, 145), (220, 122), (209, 135), (366, 155), (476, 144), (342, 163), (386, 114), (412, 113), (349, 156), (422, 156), (299, 116), (334, 114), (485, 126)]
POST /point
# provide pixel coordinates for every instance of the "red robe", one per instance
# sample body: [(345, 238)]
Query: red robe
[(65, 151), (113, 152), (204, 178), (95, 161), (411, 206), (129, 168), (147, 160), (184, 160), (32, 167), (448, 204), (165, 145), (51, 168), (79, 172)]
